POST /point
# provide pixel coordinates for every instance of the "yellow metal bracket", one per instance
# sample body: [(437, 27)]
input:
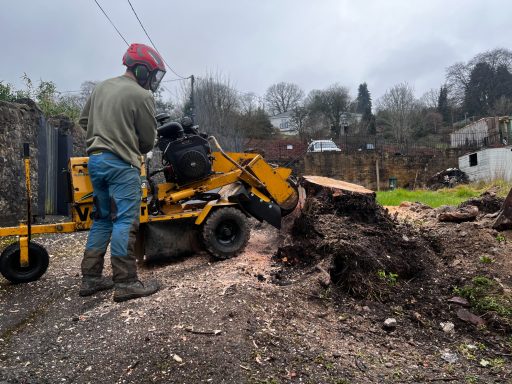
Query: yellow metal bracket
[(23, 251)]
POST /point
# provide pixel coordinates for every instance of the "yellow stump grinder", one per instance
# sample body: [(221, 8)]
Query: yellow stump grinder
[(204, 203)]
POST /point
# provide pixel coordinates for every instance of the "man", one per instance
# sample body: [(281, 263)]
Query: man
[(120, 124)]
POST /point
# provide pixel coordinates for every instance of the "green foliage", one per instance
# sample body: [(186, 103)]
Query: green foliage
[(389, 277), (46, 95), (442, 104), (478, 98), (500, 238), (487, 85), (364, 106), (161, 105), (6, 92), (486, 259), (485, 295), (468, 351), (364, 101), (257, 124)]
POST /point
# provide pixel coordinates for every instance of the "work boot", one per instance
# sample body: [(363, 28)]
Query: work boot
[(134, 290), (91, 285)]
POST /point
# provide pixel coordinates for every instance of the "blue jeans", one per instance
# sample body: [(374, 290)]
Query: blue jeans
[(117, 193)]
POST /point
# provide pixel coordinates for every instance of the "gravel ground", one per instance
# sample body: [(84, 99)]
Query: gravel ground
[(228, 322)]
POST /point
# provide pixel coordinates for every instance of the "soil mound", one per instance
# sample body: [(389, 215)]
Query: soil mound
[(365, 249), (447, 179), (487, 202)]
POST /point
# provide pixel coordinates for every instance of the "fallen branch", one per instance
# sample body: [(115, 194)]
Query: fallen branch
[(214, 332)]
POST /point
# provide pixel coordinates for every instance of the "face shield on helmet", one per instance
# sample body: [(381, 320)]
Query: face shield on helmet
[(155, 79), (146, 64)]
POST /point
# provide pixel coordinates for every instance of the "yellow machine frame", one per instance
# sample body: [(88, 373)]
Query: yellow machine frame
[(263, 181)]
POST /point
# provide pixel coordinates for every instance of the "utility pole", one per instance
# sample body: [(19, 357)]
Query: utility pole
[(192, 106)]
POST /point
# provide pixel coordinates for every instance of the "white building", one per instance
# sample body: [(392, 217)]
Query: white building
[(474, 133), (488, 164), (483, 132), (283, 123)]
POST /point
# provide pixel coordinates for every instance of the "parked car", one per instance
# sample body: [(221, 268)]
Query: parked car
[(323, 146)]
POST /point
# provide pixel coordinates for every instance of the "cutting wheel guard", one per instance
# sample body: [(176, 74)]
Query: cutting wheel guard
[(257, 208)]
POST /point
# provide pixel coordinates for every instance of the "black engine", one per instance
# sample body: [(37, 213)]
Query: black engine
[(186, 154)]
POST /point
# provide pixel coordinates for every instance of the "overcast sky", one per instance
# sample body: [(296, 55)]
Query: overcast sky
[(313, 43)]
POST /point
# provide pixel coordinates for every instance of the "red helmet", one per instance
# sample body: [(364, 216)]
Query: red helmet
[(146, 64)]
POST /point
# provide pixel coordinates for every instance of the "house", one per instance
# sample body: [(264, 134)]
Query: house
[(283, 123), (350, 118), (488, 131), (488, 164)]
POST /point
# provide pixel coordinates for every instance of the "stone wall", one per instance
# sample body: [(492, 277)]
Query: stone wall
[(21, 123), (361, 167), (18, 124)]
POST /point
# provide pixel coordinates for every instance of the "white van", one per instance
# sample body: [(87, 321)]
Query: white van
[(323, 146)]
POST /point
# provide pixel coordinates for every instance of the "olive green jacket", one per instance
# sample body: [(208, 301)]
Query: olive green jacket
[(119, 117)]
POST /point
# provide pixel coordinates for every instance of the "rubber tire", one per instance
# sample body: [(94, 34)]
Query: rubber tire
[(225, 248), (10, 268)]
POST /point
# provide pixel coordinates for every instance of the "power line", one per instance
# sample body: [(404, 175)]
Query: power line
[(168, 81), (153, 44), (78, 91), (117, 30)]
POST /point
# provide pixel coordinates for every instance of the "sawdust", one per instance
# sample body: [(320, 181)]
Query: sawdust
[(228, 322)]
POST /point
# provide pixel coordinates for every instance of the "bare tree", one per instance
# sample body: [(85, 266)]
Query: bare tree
[(283, 97), (397, 109), (495, 58), (457, 80), (430, 99), (316, 126), (331, 103), (217, 110), (432, 121), (298, 119), (502, 107), (250, 103), (86, 89), (458, 75)]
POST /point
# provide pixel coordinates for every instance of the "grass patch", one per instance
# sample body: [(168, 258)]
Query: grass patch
[(445, 196), (485, 295), (433, 199)]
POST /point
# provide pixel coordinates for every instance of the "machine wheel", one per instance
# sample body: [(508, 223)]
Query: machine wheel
[(10, 268), (289, 206), (226, 233)]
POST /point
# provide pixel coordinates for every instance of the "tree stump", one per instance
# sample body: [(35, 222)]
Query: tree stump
[(315, 185), (504, 219)]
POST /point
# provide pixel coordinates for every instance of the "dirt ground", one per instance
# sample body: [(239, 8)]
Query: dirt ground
[(260, 318)]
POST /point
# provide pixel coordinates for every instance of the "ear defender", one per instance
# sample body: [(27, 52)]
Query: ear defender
[(141, 73)]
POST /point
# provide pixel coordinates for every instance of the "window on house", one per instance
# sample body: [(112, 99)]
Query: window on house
[(289, 146), (473, 160)]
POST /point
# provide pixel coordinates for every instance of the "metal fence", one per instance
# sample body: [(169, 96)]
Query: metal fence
[(430, 144), (290, 149), (55, 149)]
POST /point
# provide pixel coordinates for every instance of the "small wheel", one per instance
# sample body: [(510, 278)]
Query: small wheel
[(11, 269), (226, 233)]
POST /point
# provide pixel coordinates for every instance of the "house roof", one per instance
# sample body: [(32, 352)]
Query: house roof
[(282, 115)]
